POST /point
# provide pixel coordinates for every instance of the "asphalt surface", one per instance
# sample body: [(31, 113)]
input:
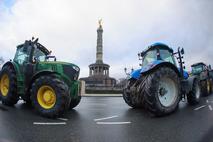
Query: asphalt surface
[(108, 119)]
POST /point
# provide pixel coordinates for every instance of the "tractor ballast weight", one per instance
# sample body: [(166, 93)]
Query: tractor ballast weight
[(159, 84), (52, 87)]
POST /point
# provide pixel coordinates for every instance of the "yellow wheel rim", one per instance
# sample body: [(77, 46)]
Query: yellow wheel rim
[(4, 85), (46, 97), (208, 86)]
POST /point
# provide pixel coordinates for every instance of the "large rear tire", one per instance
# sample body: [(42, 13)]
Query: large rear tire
[(8, 86), (50, 96), (193, 96), (160, 91)]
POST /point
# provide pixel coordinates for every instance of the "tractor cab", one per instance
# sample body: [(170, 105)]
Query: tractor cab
[(157, 51), (159, 54), (31, 52), (198, 68)]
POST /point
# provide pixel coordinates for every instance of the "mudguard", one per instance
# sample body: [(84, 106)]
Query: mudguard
[(135, 74), (185, 74), (156, 64), (13, 64)]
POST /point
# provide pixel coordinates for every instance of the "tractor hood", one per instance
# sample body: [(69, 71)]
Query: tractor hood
[(64, 68)]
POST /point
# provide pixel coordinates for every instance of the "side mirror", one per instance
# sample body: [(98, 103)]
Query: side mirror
[(210, 67), (182, 51)]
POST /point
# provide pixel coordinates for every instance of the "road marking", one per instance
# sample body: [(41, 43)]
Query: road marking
[(207, 101), (105, 118), (210, 107), (200, 107), (63, 119), (97, 104), (49, 123), (112, 123)]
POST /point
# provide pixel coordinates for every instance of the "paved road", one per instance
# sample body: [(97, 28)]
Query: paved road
[(108, 119)]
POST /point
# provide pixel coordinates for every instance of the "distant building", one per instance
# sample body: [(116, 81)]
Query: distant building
[(99, 78)]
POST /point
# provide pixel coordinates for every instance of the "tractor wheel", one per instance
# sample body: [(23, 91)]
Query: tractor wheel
[(161, 91), (50, 96), (74, 102), (8, 86), (193, 96), (211, 86), (205, 87), (130, 94)]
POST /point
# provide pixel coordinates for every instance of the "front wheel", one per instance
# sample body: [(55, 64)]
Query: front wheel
[(161, 91), (193, 96), (131, 95), (50, 96)]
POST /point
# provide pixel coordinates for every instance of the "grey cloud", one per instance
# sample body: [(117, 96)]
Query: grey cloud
[(68, 27)]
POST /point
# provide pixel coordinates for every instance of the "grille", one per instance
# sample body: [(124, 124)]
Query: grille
[(69, 71)]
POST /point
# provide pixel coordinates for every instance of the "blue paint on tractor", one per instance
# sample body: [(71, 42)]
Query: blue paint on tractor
[(158, 44), (136, 74), (151, 65)]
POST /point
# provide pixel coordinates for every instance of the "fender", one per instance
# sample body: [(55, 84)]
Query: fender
[(185, 74), (14, 65), (19, 76), (136, 74), (38, 74), (156, 64)]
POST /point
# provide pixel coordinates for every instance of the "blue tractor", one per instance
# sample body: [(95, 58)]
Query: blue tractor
[(159, 85)]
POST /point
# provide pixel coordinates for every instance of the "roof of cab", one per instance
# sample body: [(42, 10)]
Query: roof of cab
[(38, 45), (197, 64), (157, 45)]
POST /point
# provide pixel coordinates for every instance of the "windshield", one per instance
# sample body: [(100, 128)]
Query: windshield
[(197, 69), (149, 57), (39, 55), (167, 56)]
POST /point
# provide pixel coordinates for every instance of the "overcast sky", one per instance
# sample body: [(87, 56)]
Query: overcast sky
[(68, 28)]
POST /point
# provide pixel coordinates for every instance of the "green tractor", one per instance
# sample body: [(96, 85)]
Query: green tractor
[(204, 73), (50, 86)]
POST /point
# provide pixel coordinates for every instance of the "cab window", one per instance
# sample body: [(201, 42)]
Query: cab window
[(22, 55), (149, 57), (39, 55), (197, 69), (167, 56)]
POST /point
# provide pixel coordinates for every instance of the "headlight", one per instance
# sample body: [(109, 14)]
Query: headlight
[(76, 68)]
